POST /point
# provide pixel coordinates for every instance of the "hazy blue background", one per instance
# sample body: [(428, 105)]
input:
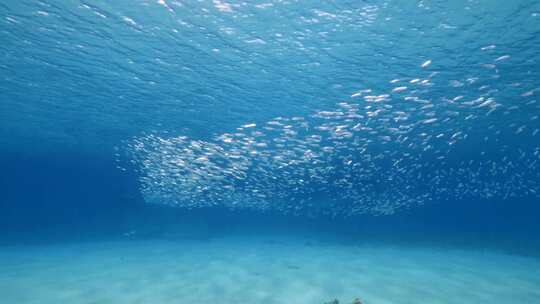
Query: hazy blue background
[(81, 78), (71, 198)]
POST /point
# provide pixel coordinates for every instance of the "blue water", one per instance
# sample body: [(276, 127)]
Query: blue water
[(351, 122)]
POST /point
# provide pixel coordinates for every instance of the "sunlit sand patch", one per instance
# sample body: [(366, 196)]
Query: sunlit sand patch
[(240, 270)]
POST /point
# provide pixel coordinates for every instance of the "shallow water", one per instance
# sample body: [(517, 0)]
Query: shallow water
[(269, 151)]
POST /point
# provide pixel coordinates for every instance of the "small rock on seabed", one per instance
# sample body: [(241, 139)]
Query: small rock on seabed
[(336, 301)]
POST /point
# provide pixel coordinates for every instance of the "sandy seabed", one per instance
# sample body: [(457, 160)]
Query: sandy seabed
[(251, 270)]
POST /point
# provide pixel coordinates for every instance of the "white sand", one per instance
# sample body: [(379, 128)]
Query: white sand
[(261, 271)]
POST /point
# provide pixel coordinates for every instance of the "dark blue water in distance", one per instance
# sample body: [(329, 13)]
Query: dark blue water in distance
[(399, 125), (67, 197)]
